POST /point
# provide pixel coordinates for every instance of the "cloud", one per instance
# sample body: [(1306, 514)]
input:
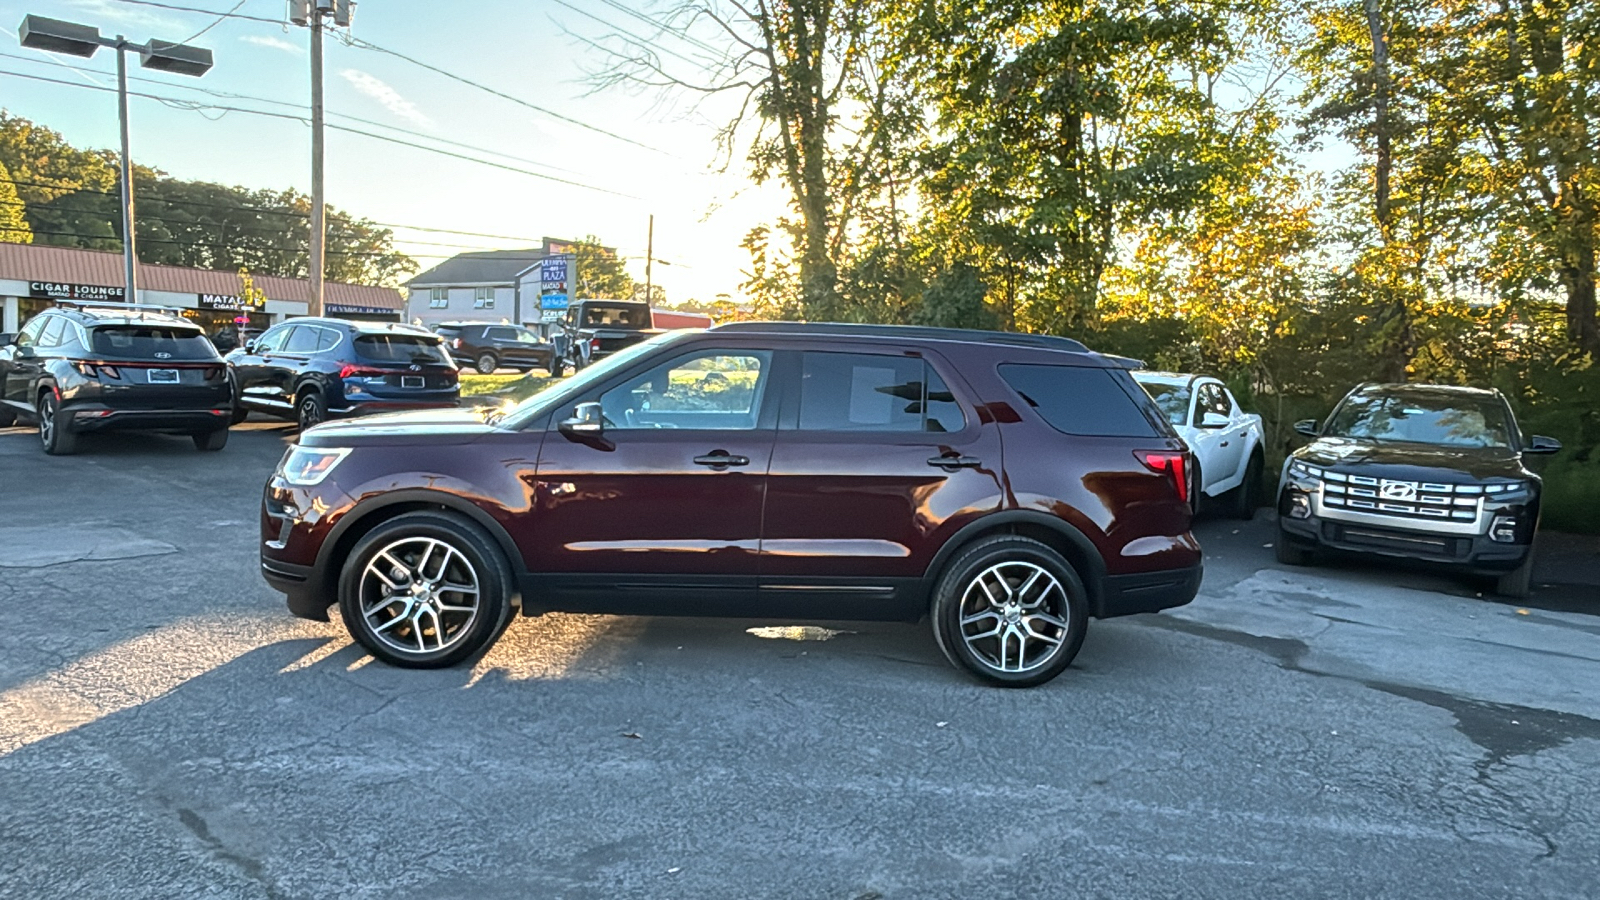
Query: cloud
[(275, 43), (104, 11), (375, 88)]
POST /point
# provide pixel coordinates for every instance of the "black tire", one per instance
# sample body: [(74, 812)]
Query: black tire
[(1196, 488), (362, 598), (1517, 584), (554, 367), (1289, 553), (486, 363), (239, 414), (1247, 496), (996, 560), (53, 433), (8, 417), (310, 409), (211, 441)]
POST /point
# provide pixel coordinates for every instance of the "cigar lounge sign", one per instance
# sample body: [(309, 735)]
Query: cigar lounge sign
[(51, 290), (230, 303)]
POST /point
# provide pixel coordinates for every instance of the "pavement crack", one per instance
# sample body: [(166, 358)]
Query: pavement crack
[(250, 867)]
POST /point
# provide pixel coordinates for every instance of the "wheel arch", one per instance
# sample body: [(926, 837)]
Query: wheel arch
[(365, 516), (1052, 531)]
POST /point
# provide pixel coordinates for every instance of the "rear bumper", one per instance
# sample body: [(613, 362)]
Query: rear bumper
[(1148, 592), (86, 419)]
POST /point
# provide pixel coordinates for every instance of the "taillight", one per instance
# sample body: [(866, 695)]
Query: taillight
[(348, 370), (1173, 464), (456, 343), (215, 372), (95, 370), (594, 343)]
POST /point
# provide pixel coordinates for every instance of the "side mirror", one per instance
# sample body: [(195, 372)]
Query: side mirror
[(1214, 420), (585, 421), (250, 347), (7, 339), (1542, 445), (1308, 427)]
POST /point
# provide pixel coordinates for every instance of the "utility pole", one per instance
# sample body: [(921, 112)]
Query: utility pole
[(649, 257), (310, 13), (130, 264)]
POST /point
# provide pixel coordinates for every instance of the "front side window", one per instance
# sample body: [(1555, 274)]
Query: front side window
[(273, 339), (30, 332), (718, 390), (1415, 418), (874, 392), (1210, 401)]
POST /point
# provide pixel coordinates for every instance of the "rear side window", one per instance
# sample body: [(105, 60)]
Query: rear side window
[(873, 392), (150, 342), (1081, 400), (302, 340), (401, 348)]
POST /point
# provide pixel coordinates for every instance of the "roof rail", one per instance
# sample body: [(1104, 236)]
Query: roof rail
[(116, 304), (1043, 341)]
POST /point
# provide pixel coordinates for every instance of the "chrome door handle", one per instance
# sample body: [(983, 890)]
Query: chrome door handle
[(955, 462), (720, 459)]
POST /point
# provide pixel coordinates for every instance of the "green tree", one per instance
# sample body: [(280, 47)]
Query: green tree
[(600, 272), (13, 225)]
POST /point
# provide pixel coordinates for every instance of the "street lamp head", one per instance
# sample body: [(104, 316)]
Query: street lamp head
[(180, 59), (56, 36)]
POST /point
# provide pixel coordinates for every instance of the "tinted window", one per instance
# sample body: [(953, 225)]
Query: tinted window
[(1414, 418), (148, 341), (874, 392), (30, 331), (598, 316), (302, 340), (1171, 399), (503, 334), (1080, 399), (403, 348), (272, 340), (51, 336), (327, 339), (1212, 400), (718, 389)]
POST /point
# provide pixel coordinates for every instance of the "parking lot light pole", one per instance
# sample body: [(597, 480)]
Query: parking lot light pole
[(72, 39)]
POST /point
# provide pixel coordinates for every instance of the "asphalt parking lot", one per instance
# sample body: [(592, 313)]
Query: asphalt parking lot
[(1356, 730)]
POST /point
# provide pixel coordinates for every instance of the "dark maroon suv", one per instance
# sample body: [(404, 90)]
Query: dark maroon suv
[(1007, 486)]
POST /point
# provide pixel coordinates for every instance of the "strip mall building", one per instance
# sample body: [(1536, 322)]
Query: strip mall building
[(34, 276)]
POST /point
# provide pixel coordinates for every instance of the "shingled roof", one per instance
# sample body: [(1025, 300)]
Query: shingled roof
[(481, 268), (39, 262)]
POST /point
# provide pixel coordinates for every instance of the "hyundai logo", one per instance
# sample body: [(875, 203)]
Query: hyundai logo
[(415, 367), (163, 355), (1397, 490)]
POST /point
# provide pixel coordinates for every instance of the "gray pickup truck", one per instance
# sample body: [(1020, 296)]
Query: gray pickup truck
[(598, 328)]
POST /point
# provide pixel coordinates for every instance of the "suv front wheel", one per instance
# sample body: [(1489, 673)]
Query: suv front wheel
[(487, 364), (425, 590), (1011, 611)]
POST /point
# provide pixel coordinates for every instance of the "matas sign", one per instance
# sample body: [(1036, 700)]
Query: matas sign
[(227, 302)]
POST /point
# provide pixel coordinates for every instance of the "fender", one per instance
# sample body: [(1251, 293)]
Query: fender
[(999, 521), (413, 496)]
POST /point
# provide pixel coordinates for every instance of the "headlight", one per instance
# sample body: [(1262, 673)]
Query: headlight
[(1507, 489), (305, 466), (1299, 469)]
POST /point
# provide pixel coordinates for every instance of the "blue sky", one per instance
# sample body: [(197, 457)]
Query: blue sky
[(527, 48)]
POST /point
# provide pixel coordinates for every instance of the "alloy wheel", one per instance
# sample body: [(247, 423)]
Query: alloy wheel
[(47, 421), (310, 412), (419, 595), (1013, 616)]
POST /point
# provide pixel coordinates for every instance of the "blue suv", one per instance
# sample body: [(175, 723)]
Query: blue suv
[(313, 369)]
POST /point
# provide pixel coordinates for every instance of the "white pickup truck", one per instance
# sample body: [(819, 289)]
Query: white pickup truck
[(1225, 439)]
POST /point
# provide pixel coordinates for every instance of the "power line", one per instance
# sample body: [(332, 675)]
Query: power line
[(207, 12), (144, 238), (378, 137), (643, 42), (368, 45), (662, 26), (219, 20)]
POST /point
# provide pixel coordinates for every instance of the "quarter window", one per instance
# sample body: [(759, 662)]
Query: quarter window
[(1086, 400), (874, 392), (717, 390)]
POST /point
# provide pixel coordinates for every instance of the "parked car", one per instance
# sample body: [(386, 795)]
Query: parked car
[(1226, 441), (781, 470), (80, 369), (487, 346), (1416, 471), (312, 369), (596, 329)]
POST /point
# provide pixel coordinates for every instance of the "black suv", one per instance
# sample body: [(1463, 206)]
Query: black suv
[(76, 369), (486, 347), (596, 329), (312, 369), (1418, 471), (1009, 487)]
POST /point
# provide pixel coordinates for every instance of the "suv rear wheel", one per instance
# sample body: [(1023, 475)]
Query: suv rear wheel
[(1011, 611), (53, 433), (310, 410), (487, 363), (425, 590), (211, 441)]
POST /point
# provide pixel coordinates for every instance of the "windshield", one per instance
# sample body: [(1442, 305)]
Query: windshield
[(1172, 398), (1450, 421), (615, 316), (151, 342), (520, 414), (404, 348)]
